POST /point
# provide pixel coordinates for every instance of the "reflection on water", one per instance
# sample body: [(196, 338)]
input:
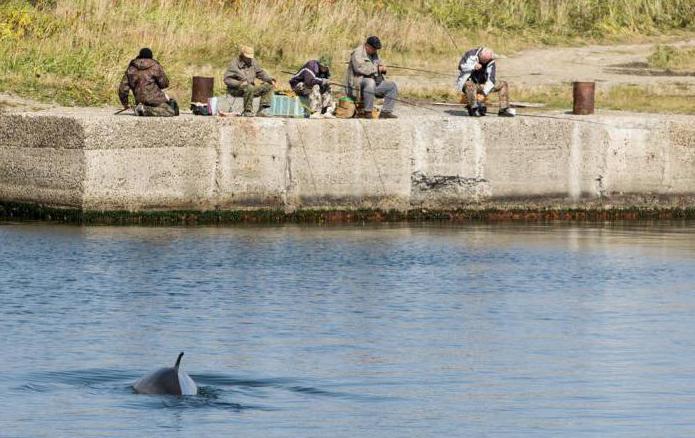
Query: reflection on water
[(350, 331)]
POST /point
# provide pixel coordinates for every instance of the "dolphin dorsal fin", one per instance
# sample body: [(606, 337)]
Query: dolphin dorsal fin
[(178, 360)]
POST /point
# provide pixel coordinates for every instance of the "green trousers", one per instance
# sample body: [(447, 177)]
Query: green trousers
[(163, 110), (248, 92)]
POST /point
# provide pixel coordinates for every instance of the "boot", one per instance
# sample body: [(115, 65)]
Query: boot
[(472, 111), (387, 115)]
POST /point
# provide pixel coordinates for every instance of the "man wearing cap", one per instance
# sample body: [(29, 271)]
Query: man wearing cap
[(146, 78), (312, 82), (477, 74), (240, 78), (365, 78)]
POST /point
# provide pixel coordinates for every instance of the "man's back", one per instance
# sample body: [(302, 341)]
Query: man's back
[(146, 78)]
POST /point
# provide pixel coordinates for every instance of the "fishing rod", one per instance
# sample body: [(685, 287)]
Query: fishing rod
[(421, 70), (120, 111), (374, 94)]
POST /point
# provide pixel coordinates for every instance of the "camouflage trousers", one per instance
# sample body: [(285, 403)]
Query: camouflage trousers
[(320, 98), (163, 110), (248, 92), (501, 87)]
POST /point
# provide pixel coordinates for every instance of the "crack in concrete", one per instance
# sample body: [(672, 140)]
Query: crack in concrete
[(434, 182)]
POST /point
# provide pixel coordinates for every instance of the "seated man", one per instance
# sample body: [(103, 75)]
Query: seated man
[(478, 74), (312, 81), (146, 78), (240, 79), (365, 78)]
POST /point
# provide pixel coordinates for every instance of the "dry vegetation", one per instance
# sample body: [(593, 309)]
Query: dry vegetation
[(75, 51)]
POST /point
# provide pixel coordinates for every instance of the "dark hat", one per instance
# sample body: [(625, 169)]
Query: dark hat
[(374, 41), (145, 53)]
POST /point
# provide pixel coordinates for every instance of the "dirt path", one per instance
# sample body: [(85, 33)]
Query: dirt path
[(607, 65)]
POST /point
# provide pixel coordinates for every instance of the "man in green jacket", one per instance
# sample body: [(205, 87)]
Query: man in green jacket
[(240, 78)]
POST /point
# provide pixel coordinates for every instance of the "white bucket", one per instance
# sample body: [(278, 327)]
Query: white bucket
[(212, 106)]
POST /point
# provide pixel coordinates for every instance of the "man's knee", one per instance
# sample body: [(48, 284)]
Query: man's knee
[(247, 90), (264, 89), (368, 84), (470, 87)]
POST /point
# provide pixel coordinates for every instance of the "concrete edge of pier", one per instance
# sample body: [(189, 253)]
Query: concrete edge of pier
[(90, 166)]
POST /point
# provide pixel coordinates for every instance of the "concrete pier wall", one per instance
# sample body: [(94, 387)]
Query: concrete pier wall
[(100, 162)]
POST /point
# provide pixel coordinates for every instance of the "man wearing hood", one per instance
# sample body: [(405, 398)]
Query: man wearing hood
[(312, 81), (146, 78)]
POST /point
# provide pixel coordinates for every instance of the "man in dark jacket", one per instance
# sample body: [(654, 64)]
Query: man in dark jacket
[(240, 79), (312, 82), (478, 74), (146, 78)]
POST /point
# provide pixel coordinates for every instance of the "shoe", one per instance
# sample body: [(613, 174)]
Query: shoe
[(366, 115), (140, 110), (506, 112), (248, 114), (387, 115), (482, 110), (264, 112), (329, 116), (473, 111), (316, 116)]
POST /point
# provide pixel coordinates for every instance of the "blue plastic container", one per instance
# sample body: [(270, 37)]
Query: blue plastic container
[(285, 106)]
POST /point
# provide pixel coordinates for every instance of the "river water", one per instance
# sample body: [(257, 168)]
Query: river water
[(403, 331)]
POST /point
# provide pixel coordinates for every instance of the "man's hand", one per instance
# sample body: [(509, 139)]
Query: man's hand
[(274, 82), (244, 83), (477, 66), (382, 68)]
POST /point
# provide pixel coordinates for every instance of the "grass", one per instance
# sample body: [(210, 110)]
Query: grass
[(672, 58), (74, 52)]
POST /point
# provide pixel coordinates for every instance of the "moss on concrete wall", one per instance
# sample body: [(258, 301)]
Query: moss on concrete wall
[(29, 212)]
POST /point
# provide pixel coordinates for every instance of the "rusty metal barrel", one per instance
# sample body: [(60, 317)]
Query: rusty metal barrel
[(583, 94), (203, 89)]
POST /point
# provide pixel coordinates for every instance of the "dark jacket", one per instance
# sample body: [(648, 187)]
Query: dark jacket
[(146, 78), (486, 76), (310, 74), (239, 71)]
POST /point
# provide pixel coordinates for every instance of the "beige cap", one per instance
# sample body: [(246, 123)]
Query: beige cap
[(247, 51)]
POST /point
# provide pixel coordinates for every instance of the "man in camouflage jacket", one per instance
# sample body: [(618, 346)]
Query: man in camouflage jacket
[(145, 77)]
